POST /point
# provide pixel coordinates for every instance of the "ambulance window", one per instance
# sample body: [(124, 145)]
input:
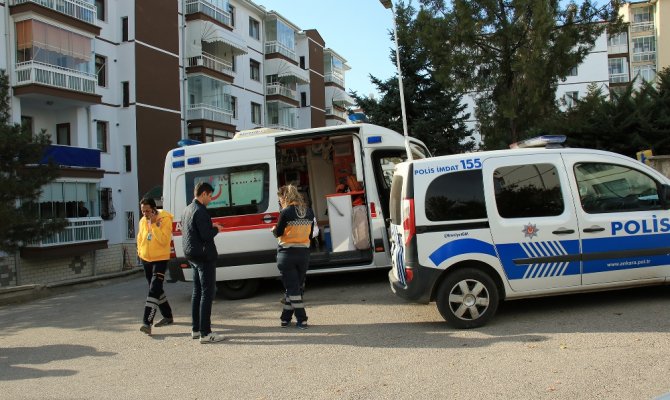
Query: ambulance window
[(528, 191), (456, 196), (606, 188), (238, 190)]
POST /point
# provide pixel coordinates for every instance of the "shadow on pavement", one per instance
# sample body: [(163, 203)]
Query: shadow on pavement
[(13, 360)]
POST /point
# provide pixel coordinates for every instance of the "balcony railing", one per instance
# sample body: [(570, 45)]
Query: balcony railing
[(335, 78), (194, 6), (641, 27), (281, 90), (619, 78), (209, 113), (211, 62), (644, 56), (335, 112), (276, 47), (78, 230), (45, 74), (79, 9)]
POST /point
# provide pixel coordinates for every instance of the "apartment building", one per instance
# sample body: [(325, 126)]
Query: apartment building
[(117, 83)]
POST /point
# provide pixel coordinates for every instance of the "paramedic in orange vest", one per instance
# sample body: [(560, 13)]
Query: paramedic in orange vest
[(294, 232), (153, 249)]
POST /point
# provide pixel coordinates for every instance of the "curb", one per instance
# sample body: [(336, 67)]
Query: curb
[(23, 293)]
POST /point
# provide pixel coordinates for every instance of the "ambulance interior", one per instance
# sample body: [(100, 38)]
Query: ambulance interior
[(327, 171)]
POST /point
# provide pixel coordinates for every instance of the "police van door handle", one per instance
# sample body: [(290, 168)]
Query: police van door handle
[(594, 228), (563, 231)]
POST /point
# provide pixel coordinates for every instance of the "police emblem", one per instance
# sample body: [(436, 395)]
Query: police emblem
[(530, 230)]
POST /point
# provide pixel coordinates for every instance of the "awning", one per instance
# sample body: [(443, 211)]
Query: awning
[(285, 69), (205, 31), (339, 97)]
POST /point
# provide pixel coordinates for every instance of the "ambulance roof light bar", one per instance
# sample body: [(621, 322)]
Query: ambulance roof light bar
[(548, 141)]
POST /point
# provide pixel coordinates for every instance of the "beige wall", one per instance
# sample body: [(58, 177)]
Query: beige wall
[(663, 34)]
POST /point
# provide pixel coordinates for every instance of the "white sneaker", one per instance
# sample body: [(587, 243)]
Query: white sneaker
[(195, 334), (212, 338)]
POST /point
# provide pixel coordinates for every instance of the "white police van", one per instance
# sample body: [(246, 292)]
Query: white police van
[(470, 230)]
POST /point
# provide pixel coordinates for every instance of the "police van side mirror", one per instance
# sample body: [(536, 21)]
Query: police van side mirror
[(664, 196)]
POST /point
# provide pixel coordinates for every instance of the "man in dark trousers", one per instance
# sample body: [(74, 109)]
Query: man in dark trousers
[(198, 239)]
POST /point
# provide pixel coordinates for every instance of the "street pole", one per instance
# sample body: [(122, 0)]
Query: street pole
[(388, 4)]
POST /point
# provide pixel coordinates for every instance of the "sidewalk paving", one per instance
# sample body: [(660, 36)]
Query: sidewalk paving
[(24, 293)]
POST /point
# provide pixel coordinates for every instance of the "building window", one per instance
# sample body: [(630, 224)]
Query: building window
[(618, 70), (231, 10), (130, 225), (100, 9), (101, 135), (233, 106), (124, 29), (27, 124), (573, 71), (255, 113), (125, 89), (644, 48), (63, 134), (571, 98), (107, 211), (254, 28), (48, 44), (69, 200), (255, 70), (101, 70), (302, 62), (303, 99), (127, 158), (645, 72), (642, 14)]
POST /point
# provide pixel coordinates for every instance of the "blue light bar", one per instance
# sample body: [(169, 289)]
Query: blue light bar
[(540, 141), (374, 139), (193, 161), (178, 164), (178, 153)]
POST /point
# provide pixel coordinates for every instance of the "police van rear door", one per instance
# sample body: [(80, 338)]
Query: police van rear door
[(624, 230), (532, 219)]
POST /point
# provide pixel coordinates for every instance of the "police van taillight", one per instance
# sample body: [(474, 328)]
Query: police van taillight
[(408, 224)]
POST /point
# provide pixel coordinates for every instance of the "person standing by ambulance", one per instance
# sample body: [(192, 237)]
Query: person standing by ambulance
[(293, 232), (153, 249), (200, 250)]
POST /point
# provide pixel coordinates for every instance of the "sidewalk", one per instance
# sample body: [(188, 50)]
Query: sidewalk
[(24, 293)]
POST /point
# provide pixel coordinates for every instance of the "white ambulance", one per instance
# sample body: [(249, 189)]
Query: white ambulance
[(344, 173), (471, 230)]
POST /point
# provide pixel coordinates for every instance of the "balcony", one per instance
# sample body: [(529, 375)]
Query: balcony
[(281, 90), (214, 63), (619, 78), (70, 156), (335, 112), (35, 72), (642, 27), (78, 9), (644, 56), (204, 7), (276, 47), (209, 113), (334, 78), (78, 230)]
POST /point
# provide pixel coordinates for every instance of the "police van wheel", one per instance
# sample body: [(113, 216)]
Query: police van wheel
[(237, 289), (467, 298)]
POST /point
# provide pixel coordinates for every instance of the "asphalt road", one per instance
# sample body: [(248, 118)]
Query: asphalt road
[(364, 343)]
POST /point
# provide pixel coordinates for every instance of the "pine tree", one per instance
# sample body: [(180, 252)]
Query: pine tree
[(435, 114), (511, 53), (21, 179)]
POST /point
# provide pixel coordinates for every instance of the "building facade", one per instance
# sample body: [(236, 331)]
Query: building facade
[(117, 83)]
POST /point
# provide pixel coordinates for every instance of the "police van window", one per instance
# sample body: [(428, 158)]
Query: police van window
[(237, 190), (605, 188), (456, 196), (396, 199), (532, 190)]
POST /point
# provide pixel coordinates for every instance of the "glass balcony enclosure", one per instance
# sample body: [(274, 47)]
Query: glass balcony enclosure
[(209, 98), (280, 38), (281, 115), (216, 9), (334, 69)]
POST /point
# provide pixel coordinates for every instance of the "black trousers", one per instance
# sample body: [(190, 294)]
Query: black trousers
[(154, 271), (292, 263)]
